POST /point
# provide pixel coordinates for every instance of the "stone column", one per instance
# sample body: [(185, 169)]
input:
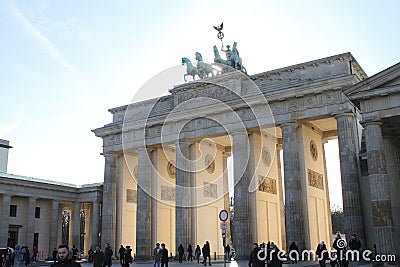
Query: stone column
[(293, 191), (348, 154), (4, 222), (380, 194), (143, 216), (182, 199), (280, 194), (389, 144), (54, 227), (30, 222), (76, 231), (225, 156), (109, 209), (241, 225), (95, 223)]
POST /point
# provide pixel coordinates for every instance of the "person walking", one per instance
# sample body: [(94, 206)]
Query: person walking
[(65, 258), (35, 252), (207, 254), (55, 252), (227, 252), (197, 253), (190, 253), (19, 256), (164, 256), (128, 256), (121, 253), (157, 255), (293, 252), (254, 259), (322, 254), (108, 253), (355, 246), (181, 251), (90, 254), (98, 257), (74, 253)]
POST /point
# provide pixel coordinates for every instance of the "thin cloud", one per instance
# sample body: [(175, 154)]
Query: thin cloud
[(40, 38), (6, 129)]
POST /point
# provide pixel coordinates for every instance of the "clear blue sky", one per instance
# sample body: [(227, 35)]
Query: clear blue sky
[(64, 63)]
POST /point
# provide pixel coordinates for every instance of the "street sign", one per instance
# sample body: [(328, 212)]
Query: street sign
[(223, 215), (223, 226)]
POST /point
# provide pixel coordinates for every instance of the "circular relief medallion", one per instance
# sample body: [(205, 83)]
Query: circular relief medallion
[(209, 162), (266, 157), (171, 169), (313, 150)]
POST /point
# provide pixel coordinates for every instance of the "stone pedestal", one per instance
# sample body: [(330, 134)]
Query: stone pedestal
[(241, 225), (143, 216), (348, 154), (293, 192), (381, 203)]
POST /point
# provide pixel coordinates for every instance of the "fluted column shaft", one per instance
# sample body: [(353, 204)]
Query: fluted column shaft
[(143, 216), (379, 186), (54, 226), (348, 154), (293, 192), (109, 208), (30, 222), (95, 223), (76, 225), (241, 226), (183, 197), (4, 222)]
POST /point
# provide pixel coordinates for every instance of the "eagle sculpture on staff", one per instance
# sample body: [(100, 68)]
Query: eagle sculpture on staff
[(220, 34)]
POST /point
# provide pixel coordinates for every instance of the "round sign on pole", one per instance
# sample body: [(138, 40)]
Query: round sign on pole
[(223, 215)]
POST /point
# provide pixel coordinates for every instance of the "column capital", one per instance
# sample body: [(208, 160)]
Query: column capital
[(345, 114), (290, 123), (368, 123)]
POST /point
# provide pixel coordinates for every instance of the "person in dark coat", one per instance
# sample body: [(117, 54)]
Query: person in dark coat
[(128, 256), (339, 246), (164, 256), (65, 258), (197, 253), (55, 252), (322, 254), (190, 253), (74, 253), (293, 256), (256, 258), (108, 252), (207, 253), (275, 260), (90, 255), (121, 253), (227, 252), (181, 251), (98, 257)]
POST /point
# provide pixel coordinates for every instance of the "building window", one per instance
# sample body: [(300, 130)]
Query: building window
[(37, 212), (13, 210), (36, 239)]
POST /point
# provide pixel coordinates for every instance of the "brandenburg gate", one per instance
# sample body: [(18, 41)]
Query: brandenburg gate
[(168, 161)]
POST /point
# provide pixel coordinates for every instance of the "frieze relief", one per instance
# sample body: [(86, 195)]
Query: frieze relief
[(131, 196), (210, 190), (267, 185), (315, 179), (215, 92), (167, 193)]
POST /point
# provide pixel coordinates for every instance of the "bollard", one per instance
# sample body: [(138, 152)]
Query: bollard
[(215, 256)]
